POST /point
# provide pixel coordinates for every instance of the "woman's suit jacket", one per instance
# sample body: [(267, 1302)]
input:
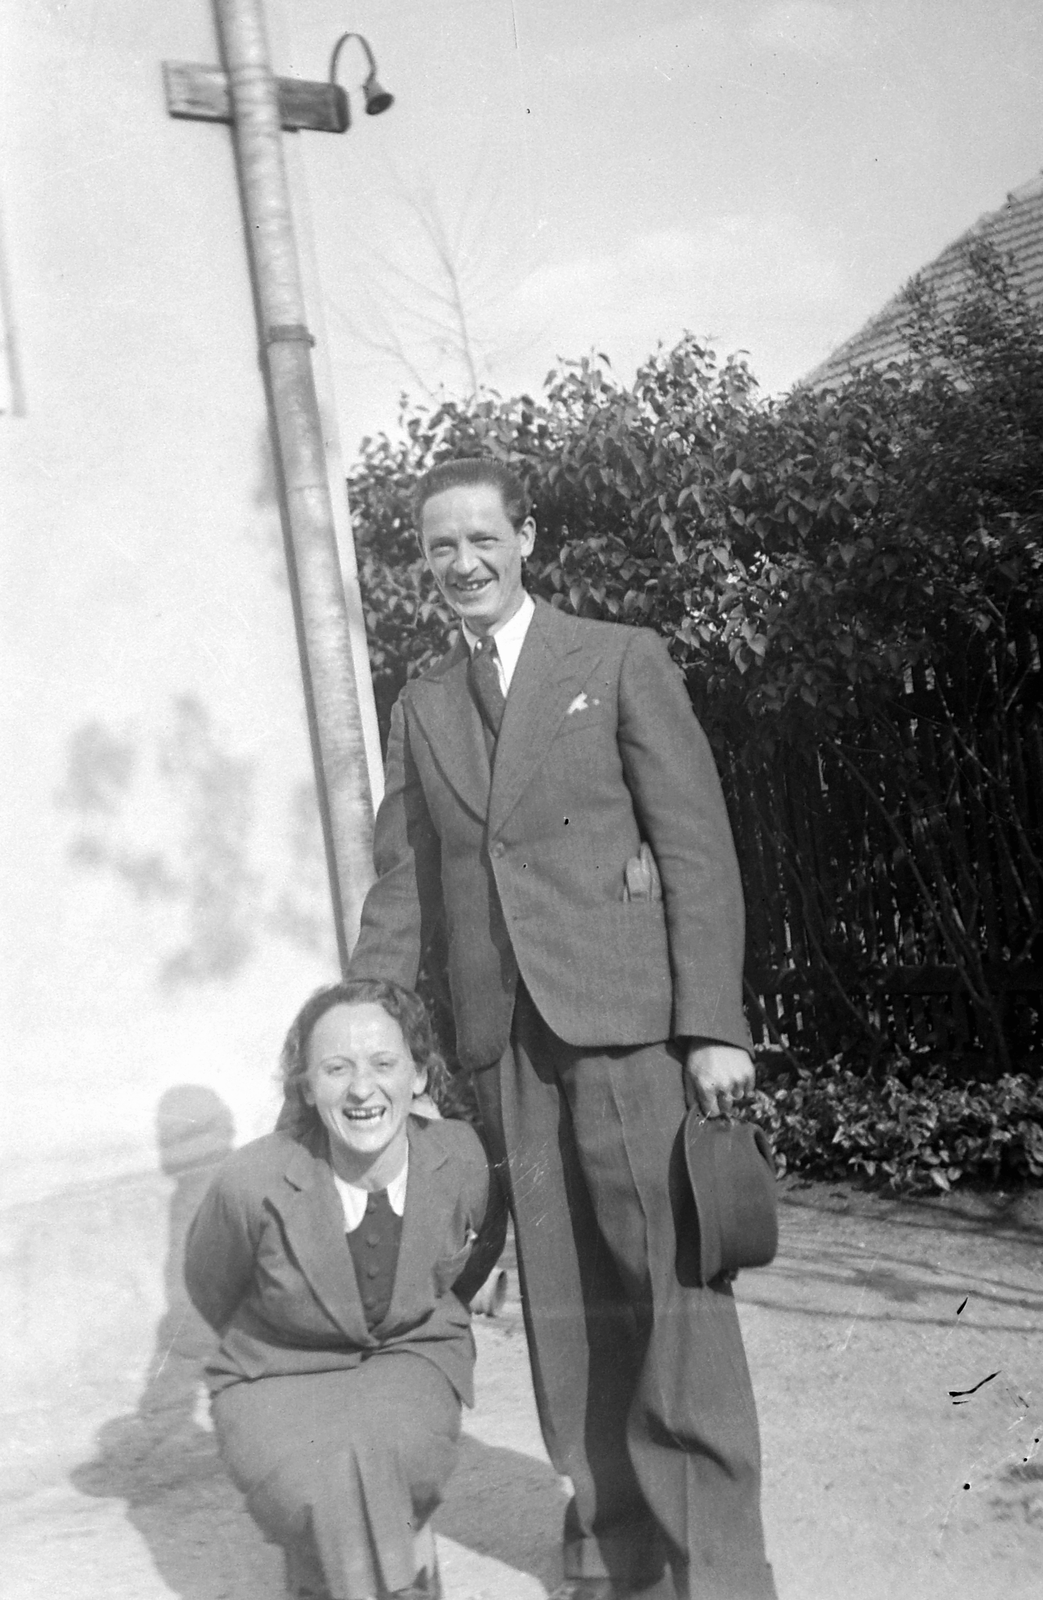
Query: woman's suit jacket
[(268, 1265)]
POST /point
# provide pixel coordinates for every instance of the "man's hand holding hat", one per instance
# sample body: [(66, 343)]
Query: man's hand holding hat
[(731, 1169), (717, 1076)]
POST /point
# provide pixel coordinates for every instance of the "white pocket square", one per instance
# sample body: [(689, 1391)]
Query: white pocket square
[(579, 704)]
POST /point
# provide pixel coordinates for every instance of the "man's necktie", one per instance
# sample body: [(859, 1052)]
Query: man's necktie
[(484, 673)]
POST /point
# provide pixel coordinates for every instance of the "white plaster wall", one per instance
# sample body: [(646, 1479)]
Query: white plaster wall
[(142, 572)]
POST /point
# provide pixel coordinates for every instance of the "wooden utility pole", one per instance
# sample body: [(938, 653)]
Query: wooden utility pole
[(330, 687)]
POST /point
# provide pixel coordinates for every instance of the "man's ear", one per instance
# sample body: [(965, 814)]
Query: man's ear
[(527, 536)]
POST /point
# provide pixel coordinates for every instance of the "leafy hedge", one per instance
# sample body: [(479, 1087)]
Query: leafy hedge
[(852, 584), (911, 1130), (802, 557)]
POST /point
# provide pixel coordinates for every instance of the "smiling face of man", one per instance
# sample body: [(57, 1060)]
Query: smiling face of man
[(476, 553), (361, 1079)]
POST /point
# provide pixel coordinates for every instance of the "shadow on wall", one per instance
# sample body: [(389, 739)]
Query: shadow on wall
[(162, 1458), (172, 815)]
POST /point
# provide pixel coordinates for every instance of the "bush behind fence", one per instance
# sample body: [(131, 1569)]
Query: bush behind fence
[(894, 883)]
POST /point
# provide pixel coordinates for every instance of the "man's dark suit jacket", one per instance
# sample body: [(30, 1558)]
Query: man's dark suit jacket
[(268, 1265), (598, 751)]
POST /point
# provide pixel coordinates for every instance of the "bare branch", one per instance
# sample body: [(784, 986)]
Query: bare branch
[(435, 303)]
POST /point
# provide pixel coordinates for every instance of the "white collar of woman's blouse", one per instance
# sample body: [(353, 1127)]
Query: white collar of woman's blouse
[(353, 1199)]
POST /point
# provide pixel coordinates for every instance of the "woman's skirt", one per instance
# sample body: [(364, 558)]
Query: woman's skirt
[(341, 1468)]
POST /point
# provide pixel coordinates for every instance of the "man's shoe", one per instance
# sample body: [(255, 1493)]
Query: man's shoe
[(427, 1586), (586, 1589), (605, 1589)]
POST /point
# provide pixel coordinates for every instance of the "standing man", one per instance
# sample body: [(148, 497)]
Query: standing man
[(529, 773)]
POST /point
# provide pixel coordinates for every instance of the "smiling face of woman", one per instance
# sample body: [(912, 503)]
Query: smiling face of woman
[(361, 1079)]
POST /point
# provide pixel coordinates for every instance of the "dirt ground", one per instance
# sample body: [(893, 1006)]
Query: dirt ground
[(897, 1355)]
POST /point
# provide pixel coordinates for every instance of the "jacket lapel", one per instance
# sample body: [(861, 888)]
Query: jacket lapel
[(553, 665), (423, 1226), (313, 1218), (447, 713)]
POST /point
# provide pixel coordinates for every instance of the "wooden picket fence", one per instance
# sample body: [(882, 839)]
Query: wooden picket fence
[(894, 878)]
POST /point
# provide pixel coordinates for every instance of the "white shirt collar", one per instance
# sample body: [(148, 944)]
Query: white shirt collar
[(509, 636), (353, 1199)]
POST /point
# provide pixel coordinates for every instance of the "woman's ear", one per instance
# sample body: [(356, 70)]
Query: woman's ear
[(419, 1082), (423, 1105)]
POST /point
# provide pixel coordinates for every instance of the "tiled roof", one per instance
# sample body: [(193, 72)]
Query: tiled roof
[(1016, 230)]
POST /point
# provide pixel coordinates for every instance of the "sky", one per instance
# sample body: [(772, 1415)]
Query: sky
[(609, 174)]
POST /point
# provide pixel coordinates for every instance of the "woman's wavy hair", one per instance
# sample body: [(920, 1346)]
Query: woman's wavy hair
[(297, 1117)]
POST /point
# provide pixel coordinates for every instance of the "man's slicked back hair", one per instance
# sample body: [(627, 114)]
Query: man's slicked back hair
[(467, 471)]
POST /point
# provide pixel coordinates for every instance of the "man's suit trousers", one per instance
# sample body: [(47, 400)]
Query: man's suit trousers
[(640, 1376)]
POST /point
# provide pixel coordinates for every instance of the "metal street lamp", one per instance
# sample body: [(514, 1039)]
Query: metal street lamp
[(201, 94), (375, 95), (259, 106)]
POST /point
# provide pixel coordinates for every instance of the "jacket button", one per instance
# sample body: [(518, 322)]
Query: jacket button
[(371, 1271), (368, 1302), (498, 848), (372, 1238)]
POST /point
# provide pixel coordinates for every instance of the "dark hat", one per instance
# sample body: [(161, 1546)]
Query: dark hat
[(732, 1173)]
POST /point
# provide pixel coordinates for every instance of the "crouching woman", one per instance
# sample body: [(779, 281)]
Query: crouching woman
[(335, 1259)]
